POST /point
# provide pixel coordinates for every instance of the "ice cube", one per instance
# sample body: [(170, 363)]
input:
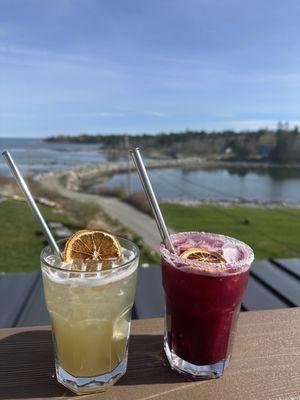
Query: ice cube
[(122, 326), (231, 253), (54, 261)]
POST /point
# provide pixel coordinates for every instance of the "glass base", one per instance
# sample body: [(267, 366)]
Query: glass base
[(192, 371), (93, 384)]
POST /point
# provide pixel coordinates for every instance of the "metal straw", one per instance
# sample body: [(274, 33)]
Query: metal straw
[(138, 161), (30, 200)]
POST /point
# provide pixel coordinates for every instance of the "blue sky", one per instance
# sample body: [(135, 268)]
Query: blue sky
[(72, 66)]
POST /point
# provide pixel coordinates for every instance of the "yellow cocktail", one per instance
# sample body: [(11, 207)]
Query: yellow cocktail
[(91, 314)]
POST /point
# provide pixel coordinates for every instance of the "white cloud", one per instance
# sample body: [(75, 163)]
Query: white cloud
[(103, 114), (15, 115), (174, 60), (117, 114), (40, 53), (3, 31), (155, 113)]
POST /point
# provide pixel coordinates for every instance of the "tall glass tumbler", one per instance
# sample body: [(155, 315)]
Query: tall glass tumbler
[(203, 302), (91, 316)]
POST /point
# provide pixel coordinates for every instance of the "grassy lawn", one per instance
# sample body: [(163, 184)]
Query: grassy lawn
[(271, 233), (21, 240)]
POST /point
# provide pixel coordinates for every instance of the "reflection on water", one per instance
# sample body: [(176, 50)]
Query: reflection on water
[(262, 184), (223, 183), (276, 173)]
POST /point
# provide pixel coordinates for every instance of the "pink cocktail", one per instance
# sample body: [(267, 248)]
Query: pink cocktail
[(203, 302)]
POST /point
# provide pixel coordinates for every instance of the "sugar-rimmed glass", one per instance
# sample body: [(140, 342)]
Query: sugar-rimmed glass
[(91, 316), (203, 303)]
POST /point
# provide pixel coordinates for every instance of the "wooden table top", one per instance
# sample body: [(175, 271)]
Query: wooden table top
[(265, 364)]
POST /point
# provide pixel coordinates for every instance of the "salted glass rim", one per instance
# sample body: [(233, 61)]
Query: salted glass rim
[(234, 265), (60, 242)]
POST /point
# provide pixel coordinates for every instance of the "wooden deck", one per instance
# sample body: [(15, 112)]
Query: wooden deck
[(272, 284), (265, 364)]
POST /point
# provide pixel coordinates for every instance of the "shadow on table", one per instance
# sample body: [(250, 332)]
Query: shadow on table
[(147, 363), (27, 365)]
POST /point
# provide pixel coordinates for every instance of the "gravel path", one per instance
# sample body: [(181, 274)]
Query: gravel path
[(140, 223)]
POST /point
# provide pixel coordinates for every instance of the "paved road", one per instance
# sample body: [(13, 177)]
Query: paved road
[(140, 223)]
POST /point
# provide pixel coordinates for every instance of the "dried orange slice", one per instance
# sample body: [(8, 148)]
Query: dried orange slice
[(202, 254), (92, 245)]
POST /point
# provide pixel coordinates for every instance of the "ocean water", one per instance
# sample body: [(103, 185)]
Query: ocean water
[(228, 184), (231, 183), (34, 155)]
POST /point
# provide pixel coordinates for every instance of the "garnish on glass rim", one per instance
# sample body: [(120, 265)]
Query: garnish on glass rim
[(203, 255), (92, 247)]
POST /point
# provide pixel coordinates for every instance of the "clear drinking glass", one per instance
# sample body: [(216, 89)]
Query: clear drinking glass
[(91, 316), (203, 302)]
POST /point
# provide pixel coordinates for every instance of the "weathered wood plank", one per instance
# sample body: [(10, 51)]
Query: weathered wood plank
[(278, 280), (22, 300), (265, 364), (15, 289), (292, 265), (149, 301), (35, 311), (258, 297), (149, 298)]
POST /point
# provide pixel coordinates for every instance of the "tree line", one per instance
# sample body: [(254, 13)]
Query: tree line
[(280, 145)]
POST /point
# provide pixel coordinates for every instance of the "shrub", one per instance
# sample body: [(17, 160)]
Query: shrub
[(117, 191), (138, 200)]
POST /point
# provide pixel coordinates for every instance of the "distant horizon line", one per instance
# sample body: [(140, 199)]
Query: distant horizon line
[(146, 133)]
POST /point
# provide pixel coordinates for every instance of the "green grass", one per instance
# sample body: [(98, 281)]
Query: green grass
[(271, 233), (21, 240), (146, 254)]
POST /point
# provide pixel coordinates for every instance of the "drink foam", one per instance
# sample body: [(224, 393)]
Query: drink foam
[(62, 272), (237, 254)]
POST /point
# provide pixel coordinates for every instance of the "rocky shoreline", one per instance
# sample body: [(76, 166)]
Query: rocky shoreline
[(82, 177), (273, 205), (76, 178), (79, 179)]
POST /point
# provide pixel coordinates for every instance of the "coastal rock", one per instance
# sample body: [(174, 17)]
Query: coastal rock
[(70, 180)]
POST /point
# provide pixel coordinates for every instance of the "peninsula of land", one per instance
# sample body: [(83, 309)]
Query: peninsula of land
[(279, 146)]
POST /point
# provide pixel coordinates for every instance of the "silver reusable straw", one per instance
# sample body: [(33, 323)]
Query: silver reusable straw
[(138, 161), (30, 200)]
